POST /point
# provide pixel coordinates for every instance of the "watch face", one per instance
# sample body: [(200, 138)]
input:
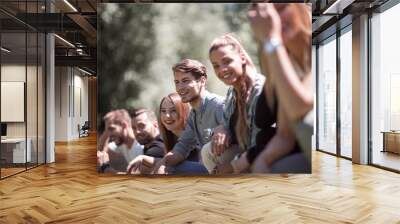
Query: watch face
[(207, 134), (271, 45)]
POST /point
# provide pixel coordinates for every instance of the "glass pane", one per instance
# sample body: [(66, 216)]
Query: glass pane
[(314, 74), (41, 99), (346, 94), (13, 87), (327, 96), (31, 97), (385, 89)]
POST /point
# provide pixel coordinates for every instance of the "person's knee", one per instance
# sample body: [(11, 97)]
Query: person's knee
[(207, 157), (295, 163), (206, 152)]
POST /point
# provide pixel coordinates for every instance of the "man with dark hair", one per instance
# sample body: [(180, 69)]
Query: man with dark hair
[(190, 78), (145, 128)]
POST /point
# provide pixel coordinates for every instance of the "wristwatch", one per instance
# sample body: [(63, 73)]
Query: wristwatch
[(270, 45), (103, 167)]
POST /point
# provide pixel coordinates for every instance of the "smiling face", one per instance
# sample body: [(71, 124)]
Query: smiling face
[(187, 86), (144, 129), (169, 115), (228, 64)]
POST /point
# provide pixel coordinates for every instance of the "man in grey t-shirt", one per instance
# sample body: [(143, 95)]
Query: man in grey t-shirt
[(118, 131), (207, 113)]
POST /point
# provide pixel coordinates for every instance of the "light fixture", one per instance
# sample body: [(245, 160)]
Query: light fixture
[(65, 41), (70, 5), (80, 51), (86, 72), (5, 50)]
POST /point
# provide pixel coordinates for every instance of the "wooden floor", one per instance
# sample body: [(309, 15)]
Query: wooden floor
[(71, 191), (10, 171)]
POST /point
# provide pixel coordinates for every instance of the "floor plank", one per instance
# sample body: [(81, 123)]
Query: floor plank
[(71, 191)]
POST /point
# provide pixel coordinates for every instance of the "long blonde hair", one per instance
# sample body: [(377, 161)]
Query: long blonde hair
[(246, 85)]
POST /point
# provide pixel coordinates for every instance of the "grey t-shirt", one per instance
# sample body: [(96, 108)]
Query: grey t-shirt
[(124, 155), (128, 153)]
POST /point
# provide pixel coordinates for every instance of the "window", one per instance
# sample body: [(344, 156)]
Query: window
[(385, 89), (346, 92), (22, 75), (327, 95)]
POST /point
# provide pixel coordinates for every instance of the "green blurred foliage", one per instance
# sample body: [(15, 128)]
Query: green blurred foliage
[(139, 44)]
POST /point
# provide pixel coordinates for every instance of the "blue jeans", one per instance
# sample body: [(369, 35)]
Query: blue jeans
[(295, 163), (189, 167)]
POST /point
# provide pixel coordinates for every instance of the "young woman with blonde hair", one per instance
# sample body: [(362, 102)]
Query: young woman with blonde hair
[(234, 68)]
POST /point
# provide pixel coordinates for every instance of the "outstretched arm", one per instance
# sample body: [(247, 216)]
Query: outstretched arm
[(170, 159), (141, 165)]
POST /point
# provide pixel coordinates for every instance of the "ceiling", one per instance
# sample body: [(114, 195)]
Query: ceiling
[(75, 21), (332, 15)]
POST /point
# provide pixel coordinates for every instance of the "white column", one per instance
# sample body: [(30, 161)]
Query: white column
[(50, 93), (360, 90), (50, 100)]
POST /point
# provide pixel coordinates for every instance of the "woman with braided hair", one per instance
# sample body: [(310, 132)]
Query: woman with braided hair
[(234, 68)]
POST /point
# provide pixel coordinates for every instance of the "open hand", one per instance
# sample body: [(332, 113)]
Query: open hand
[(265, 21), (240, 164), (134, 166), (220, 140), (160, 167), (224, 169)]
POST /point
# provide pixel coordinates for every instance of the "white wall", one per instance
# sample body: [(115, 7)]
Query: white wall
[(15, 73), (81, 83), (61, 103), (71, 87)]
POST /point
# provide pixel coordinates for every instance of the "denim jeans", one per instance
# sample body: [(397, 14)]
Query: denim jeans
[(295, 163), (189, 167)]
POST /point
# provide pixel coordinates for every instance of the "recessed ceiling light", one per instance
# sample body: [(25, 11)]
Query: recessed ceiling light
[(337, 7), (86, 72), (70, 5), (64, 40), (5, 50)]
